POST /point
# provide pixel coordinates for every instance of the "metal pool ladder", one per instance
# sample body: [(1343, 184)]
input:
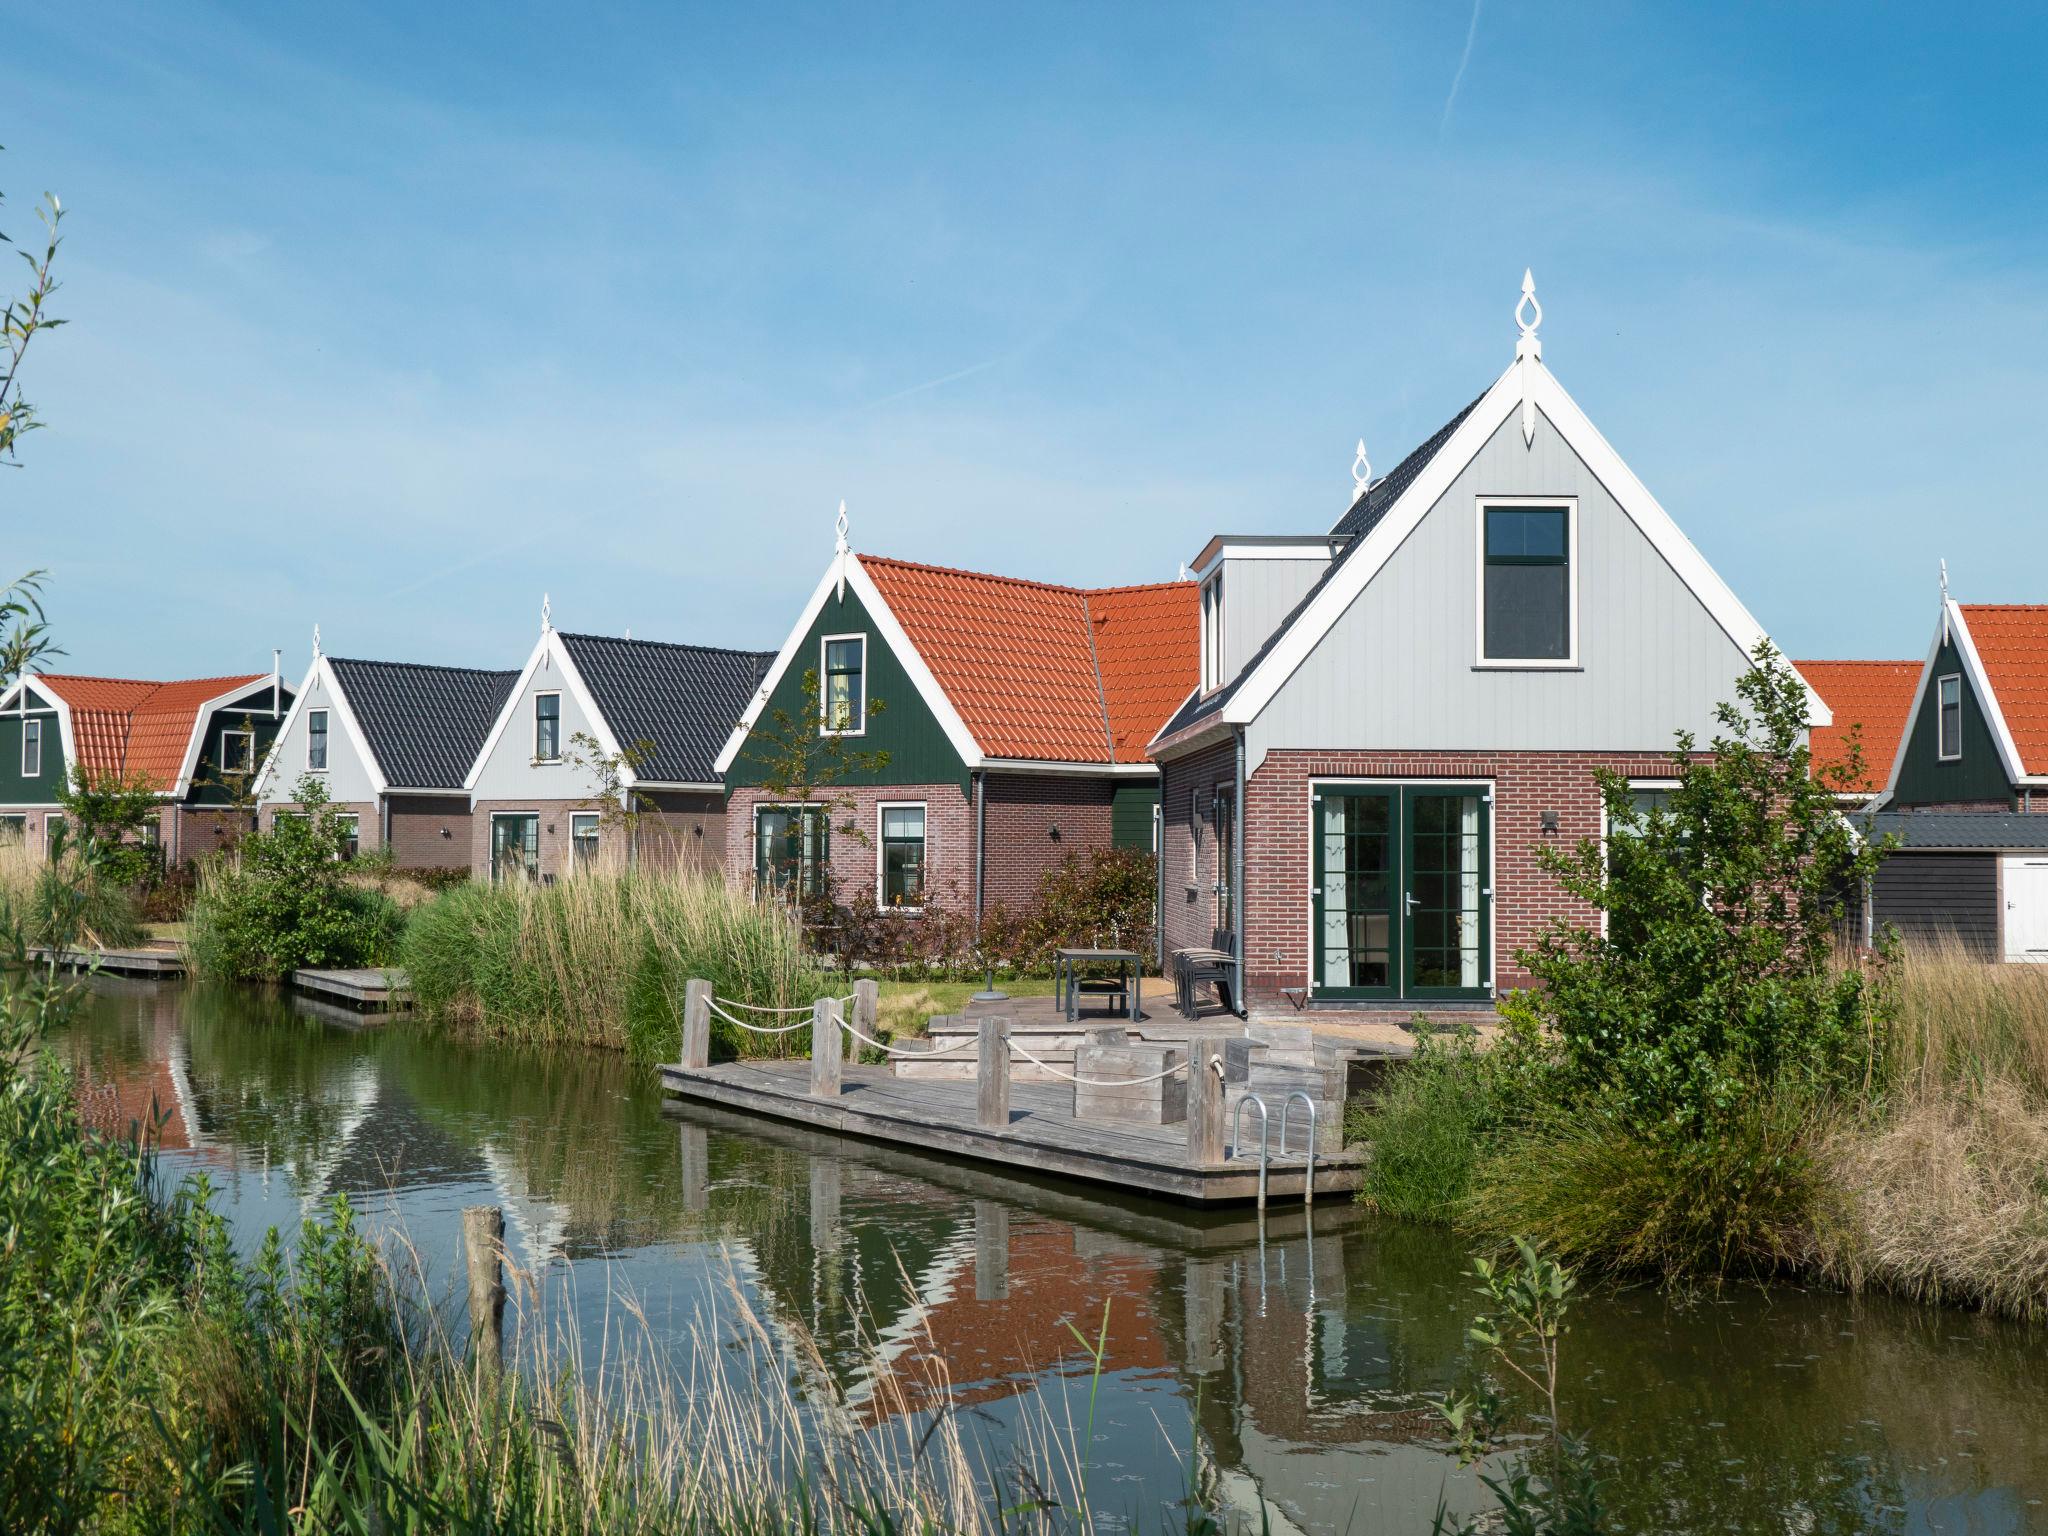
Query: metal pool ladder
[(1308, 1183), (1265, 1138)]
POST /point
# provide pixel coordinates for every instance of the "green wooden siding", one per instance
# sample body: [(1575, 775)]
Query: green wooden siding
[(41, 790), (919, 752), (251, 712), (1978, 775), (1130, 813)]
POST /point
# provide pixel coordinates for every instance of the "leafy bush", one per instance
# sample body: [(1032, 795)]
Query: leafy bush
[(283, 899), (66, 900), (1105, 898), (1429, 1126)]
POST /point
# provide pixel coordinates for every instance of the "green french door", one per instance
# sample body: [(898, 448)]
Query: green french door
[(1401, 905)]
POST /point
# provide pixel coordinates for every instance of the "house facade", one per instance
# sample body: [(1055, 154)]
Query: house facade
[(1967, 796), (392, 743), (1394, 716), (605, 748), (197, 741), (1013, 716)]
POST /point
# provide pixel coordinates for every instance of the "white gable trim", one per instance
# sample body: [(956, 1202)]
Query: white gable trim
[(1912, 715), (269, 791), (850, 571), (200, 720), (549, 648), (15, 696), (1987, 696), (1259, 688)]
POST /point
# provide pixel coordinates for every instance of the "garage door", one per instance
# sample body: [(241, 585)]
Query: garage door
[(2026, 907)]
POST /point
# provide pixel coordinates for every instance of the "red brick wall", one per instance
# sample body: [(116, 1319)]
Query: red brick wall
[(417, 822), (1525, 785), (677, 829), (948, 839), (1023, 812), (1186, 785), (554, 833), (190, 834)]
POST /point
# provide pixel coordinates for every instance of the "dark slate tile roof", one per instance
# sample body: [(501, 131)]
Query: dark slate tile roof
[(425, 724), (682, 700), (1957, 831), (1364, 516)]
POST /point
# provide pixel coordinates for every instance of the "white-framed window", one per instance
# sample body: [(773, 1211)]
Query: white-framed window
[(791, 844), (350, 826), (515, 846), (316, 741), (900, 855), (1529, 582), (237, 751), (1212, 633), (31, 749), (53, 835), (583, 834), (13, 831), (842, 685), (1195, 837), (1949, 697), (1222, 812), (547, 727)]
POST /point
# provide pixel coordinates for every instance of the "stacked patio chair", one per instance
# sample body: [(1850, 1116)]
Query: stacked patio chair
[(1212, 966)]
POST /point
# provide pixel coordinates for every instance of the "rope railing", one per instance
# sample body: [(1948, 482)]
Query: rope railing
[(758, 1029), (1096, 1082), (892, 1050), (769, 1008)]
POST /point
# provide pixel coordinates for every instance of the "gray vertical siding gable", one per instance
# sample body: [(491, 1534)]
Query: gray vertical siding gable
[(1399, 668), (1257, 595), (349, 779), (510, 774)]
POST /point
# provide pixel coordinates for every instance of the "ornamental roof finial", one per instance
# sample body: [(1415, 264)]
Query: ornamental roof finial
[(839, 527), (316, 639), (1361, 472), (1944, 581), (547, 614), (1527, 344)]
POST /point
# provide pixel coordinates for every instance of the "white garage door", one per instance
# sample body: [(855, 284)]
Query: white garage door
[(2026, 907)]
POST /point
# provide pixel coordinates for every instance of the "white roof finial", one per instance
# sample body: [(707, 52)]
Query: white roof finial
[(840, 528), (1361, 472), (316, 639), (1944, 581), (841, 552), (1528, 350)]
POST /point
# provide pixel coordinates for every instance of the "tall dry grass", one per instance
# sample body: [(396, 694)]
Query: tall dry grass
[(601, 957), (65, 901), (1941, 1185)]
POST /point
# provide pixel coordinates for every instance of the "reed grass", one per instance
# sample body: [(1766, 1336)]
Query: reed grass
[(601, 958), (65, 900)]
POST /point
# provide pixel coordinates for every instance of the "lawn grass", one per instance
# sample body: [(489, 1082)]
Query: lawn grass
[(906, 1007)]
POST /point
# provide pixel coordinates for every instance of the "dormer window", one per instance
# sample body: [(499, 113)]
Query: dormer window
[(1950, 696), (237, 751), (1528, 584), (843, 685), (1212, 633)]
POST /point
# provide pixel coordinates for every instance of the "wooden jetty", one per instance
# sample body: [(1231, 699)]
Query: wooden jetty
[(371, 990), (1134, 1142), (165, 964)]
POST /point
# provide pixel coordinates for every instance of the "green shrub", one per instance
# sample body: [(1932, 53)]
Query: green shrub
[(1428, 1126), (67, 900), (282, 900)]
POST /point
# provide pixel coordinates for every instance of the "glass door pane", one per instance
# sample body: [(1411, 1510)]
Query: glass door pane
[(1355, 921), (515, 847), (1445, 899)]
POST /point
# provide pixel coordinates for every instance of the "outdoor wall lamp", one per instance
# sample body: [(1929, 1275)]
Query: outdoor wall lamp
[(1548, 820), (1054, 834), (446, 833)]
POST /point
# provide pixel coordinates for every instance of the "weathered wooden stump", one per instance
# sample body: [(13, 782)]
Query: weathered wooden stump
[(991, 1251), (992, 1076), (828, 1048), (1205, 1100), (483, 1243), (697, 1023)]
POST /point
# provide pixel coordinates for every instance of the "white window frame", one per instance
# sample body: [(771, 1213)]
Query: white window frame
[(249, 763), (491, 841), (1941, 755), (326, 740), (825, 643), (1485, 663), (800, 809), (1212, 632), (26, 771), (53, 823), (556, 695), (1633, 784), (596, 819), (14, 821), (353, 822), (881, 852)]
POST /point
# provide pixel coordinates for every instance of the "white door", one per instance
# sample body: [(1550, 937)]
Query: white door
[(2025, 886)]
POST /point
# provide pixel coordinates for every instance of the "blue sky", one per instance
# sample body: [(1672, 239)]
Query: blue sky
[(392, 318)]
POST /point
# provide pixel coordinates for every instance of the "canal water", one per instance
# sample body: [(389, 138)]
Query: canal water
[(1291, 1376)]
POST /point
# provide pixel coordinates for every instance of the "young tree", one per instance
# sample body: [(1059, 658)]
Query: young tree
[(1715, 971), (617, 807), (106, 815), (20, 321), (807, 770)]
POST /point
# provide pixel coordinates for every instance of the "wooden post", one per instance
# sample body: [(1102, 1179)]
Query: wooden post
[(696, 1163), (991, 1251), (828, 1048), (992, 1076), (1205, 1100), (867, 1007), (697, 1023), (483, 1241), (828, 1179)]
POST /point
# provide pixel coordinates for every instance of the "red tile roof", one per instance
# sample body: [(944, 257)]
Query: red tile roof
[(2012, 642), (1875, 695), (123, 726), (1046, 672)]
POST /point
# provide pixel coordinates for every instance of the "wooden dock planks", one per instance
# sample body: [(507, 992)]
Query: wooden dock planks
[(936, 1115), (385, 989), (169, 964)]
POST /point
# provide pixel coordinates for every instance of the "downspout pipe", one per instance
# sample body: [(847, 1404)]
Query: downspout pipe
[(1237, 902), (980, 843)]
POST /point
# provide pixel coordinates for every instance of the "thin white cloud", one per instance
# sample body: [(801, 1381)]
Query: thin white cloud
[(1464, 58)]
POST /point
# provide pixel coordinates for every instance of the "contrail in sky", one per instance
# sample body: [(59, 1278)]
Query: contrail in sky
[(1464, 58)]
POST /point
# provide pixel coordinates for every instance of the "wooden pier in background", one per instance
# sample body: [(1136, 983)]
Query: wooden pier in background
[(161, 963), (373, 991)]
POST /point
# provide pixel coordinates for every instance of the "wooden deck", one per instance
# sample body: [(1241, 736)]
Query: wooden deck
[(167, 963), (382, 990), (1044, 1138)]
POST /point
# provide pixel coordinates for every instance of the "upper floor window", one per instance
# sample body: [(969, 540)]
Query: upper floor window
[(1212, 633), (843, 701), (316, 741), (1526, 585), (547, 727), (31, 749), (1951, 698), (237, 751)]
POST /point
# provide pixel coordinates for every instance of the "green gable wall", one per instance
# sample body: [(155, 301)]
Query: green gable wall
[(1130, 814), (1978, 775), (919, 752), (41, 790), (252, 710)]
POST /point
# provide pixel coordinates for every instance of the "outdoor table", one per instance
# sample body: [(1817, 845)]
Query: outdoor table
[(1065, 981)]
